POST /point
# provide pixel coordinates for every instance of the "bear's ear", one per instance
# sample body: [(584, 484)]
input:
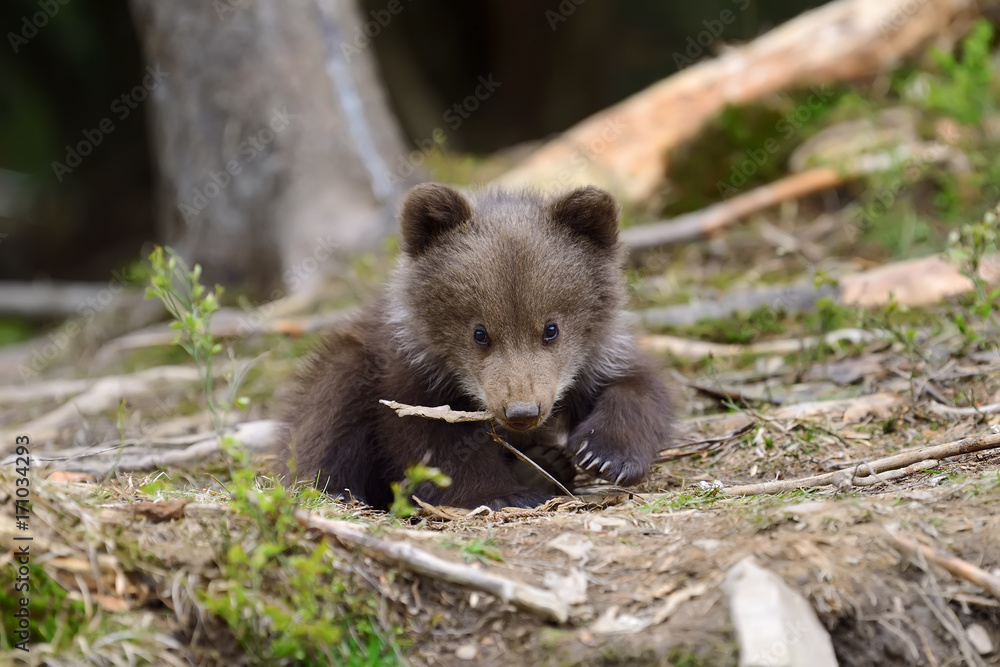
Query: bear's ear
[(589, 212), (429, 210)]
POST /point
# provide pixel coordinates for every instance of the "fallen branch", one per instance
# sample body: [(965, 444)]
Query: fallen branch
[(725, 213), (879, 478), (699, 349), (255, 436), (794, 186), (104, 394), (847, 477), (790, 299), (956, 566), (625, 147), (539, 602)]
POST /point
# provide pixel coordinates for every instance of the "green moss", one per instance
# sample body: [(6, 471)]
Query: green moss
[(54, 619), (745, 147)]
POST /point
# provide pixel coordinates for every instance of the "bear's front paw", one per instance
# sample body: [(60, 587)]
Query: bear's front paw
[(615, 460)]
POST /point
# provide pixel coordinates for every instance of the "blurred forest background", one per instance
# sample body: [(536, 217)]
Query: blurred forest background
[(65, 79)]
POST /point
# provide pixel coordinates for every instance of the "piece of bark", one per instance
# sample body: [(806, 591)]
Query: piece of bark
[(625, 148), (913, 282)]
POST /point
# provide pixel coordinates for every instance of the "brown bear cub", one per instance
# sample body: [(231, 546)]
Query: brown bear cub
[(505, 301)]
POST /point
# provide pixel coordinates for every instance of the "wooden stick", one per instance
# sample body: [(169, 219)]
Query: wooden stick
[(519, 454), (725, 213), (445, 413), (442, 412), (948, 410), (861, 471), (539, 602), (956, 566)]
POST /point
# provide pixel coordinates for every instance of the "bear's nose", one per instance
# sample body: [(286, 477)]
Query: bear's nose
[(520, 411)]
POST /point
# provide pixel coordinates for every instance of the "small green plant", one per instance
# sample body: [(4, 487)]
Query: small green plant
[(286, 599), (54, 619), (480, 549), (686, 499), (970, 247), (191, 306), (403, 491), (964, 88)]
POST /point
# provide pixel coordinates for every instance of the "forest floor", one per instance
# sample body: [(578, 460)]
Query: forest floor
[(149, 564)]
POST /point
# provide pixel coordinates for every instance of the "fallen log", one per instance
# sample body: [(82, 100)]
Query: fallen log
[(625, 147)]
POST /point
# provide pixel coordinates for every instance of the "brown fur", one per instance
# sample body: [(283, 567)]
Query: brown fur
[(510, 264)]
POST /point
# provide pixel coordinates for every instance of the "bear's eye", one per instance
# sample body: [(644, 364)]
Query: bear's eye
[(550, 333), (480, 336)]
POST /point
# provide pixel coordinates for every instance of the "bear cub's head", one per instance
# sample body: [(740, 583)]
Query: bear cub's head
[(512, 297)]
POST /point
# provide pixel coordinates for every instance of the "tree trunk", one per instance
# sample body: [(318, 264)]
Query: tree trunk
[(273, 138)]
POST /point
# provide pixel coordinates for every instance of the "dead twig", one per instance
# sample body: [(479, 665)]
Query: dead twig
[(725, 213), (912, 460), (529, 598), (442, 412), (951, 411), (445, 413), (701, 446), (956, 566), (516, 452)]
